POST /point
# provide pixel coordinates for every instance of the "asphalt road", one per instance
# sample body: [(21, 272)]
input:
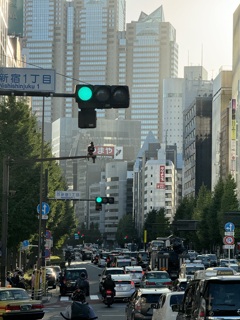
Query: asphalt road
[(57, 303)]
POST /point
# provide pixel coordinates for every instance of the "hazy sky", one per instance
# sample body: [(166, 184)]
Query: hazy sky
[(203, 28)]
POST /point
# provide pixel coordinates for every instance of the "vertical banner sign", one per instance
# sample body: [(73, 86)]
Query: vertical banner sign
[(145, 236), (161, 183), (15, 18), (233, 140)]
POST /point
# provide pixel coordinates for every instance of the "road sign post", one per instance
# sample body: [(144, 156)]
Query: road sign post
[(228, 240)]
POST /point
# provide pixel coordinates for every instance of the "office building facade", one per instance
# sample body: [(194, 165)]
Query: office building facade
[(152, 55)]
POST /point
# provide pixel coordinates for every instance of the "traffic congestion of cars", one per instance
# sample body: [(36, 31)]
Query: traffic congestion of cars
[(151, 294), (206, 287)]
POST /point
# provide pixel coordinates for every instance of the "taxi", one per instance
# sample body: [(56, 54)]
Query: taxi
[(15, 303)]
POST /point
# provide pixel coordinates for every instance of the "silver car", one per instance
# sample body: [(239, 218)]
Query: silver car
[(124, 286), (136, 273)]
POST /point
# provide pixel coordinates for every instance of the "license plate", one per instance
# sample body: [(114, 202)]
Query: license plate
[(121, 288), (25, 307)]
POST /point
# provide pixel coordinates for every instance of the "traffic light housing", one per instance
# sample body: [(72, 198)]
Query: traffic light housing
[(103, 200), (101, 96), (87, 119)]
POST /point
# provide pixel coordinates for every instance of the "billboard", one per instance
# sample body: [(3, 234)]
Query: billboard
[(116, 152)]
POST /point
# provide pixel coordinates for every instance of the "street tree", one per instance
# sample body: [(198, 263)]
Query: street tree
[(20, 140)]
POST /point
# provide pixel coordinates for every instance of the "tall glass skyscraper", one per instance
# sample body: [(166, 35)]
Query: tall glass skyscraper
[(77, 38), (152, 55), (86, 42)]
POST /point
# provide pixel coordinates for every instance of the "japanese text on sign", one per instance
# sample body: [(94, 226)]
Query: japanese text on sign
[(26, 79)]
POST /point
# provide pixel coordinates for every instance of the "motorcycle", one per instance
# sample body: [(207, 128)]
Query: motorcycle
[(108, 299)]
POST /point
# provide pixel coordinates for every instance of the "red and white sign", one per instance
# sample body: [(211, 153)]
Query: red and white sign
[(228, 240), (160, 186), (162, 173), (115, 152), (104, 150)]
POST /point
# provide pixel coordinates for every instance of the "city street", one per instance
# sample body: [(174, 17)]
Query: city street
[(57, 303)]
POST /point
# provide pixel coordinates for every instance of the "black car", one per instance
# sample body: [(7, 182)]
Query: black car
[(86, 255), (68, 283), (213, 259)]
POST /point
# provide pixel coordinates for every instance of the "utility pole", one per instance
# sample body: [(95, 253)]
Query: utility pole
[(5, 194)]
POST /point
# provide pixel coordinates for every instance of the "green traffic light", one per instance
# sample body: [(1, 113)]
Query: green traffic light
[(85, 93), (98, 199)]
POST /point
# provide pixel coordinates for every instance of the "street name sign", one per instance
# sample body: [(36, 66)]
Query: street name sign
[(27, 79), (67, 195)]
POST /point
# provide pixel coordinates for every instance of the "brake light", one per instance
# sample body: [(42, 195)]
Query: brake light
[(138, 307), (10, 308), (150, 283), (167, 283), (202, 311), (132, 284), (37, 306), (108, 292)]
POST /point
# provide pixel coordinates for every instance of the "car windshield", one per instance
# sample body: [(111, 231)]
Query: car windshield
[(151, 298), (226, 294), (176, 299), (157, 275), (191, 270), (56, 269), (114, 271), (14, 295), (123, 263), (74, 275)]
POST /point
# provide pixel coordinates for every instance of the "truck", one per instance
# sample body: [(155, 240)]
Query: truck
[(170, 257)]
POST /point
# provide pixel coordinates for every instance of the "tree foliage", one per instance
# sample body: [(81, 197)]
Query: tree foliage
[(209, 209), (20, 141), (157, 224), (125, 228)]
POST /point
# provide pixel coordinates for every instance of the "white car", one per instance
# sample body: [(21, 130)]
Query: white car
[(164, 307), (136, 273), (124, 286), (106, 271)]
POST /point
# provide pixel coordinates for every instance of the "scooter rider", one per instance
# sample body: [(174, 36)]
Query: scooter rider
[(108, 284), (79, 309), (82, 283)]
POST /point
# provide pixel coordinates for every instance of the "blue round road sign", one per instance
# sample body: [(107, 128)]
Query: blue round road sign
[(229, 227), (45, 208)]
